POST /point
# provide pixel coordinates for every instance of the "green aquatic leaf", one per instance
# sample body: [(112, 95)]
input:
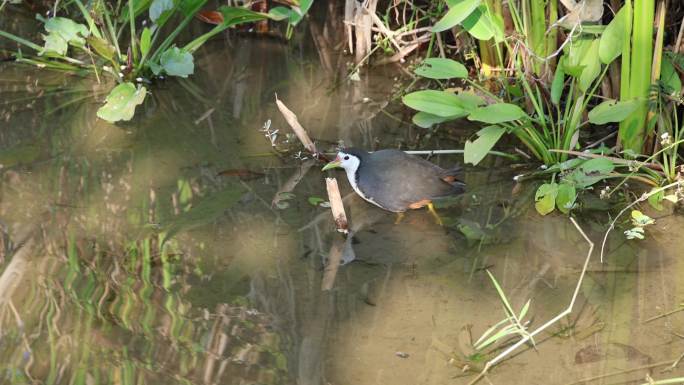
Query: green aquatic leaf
[(316, 201), (483, 25), (558, 82), (439, 68), (640, 219), (565, 200), (635, 233), (279, 13), (669, 77), (145, 41), (177, 62), (426, 120), (121, 102), (440, 103), (613, 37), (545, 198), (72, 32), (55, 44), (590, 172), (102, 47), (456, 14), (159, 9), (612, 111), (487, 138), (238, 15), (592, 66), (497, 113), (655, 199)]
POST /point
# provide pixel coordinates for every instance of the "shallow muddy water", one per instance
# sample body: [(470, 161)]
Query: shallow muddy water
[(176, 248)]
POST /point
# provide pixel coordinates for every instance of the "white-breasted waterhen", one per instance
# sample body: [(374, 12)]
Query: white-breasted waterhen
[(396, 181)]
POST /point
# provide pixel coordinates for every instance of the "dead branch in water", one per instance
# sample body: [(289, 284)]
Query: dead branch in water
[(336, 205)]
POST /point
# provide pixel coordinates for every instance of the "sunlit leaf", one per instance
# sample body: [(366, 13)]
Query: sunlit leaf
[(177, 62), (497, 113), (145, 41), (655, 199), (612, 111), (592, 66), (102, 47), (641, 219), (545, 198), (426, 120), (456, 14), (434, 102), (54, 43), (279, 13), (483, 25), (613, 36), (565, 200), (635, 233), (440, 68), (487, 137), (590, 172), (72, 32), (121, 102)]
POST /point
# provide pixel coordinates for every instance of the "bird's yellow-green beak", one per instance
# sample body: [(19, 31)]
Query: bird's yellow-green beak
[(334, 164)]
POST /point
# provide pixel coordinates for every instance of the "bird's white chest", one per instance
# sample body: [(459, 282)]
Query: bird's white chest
[(351, 177)]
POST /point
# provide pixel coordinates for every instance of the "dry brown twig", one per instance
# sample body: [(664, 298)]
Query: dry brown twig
[(336, 205)]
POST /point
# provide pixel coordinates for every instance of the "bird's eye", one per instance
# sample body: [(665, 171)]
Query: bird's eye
[(346, 157)]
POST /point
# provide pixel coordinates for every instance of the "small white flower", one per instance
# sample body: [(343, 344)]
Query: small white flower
[(665, 139), (543, 167), (123, 67), (139, 80), (517, 178), (121, 74)]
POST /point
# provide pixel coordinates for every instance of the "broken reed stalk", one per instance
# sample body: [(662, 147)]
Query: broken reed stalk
[(292, 120), (336, 205), (550, 322)]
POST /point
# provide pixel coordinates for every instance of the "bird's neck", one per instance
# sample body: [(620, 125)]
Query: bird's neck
[(352, 178)]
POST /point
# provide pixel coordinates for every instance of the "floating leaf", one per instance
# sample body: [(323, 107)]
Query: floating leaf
[(497, 113), (565, 200), (438, 103), (177, 62), (672, 198), (439, 68), (612, 111), (456, 14), (613, 36), (487, 138), (545, 198), (121, 102)]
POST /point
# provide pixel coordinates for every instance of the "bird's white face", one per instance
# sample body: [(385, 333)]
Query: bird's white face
[(348, 162)]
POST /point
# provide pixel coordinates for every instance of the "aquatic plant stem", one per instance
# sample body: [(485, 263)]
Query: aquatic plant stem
[(550, 322), (642, 198)]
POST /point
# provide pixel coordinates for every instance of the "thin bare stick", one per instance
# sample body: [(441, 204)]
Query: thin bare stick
[(664, 314), (652, 166), (619, 372), (292, 120), (550, 322), (336, 205), (642, 198)]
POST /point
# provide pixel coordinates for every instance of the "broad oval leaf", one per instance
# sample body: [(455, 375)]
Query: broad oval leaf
[(565, 199), (592, 66), (160, 8), (55, 44), (483, 25), (590, 172), (434, 102), (145, 41), (279, 13), (426, 120), (613, 37), (545, 198), (121, 102), (487, 138), (497, 113), (69, 30), (439, 68), (177, 62), (612, 111), (456, 14)]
